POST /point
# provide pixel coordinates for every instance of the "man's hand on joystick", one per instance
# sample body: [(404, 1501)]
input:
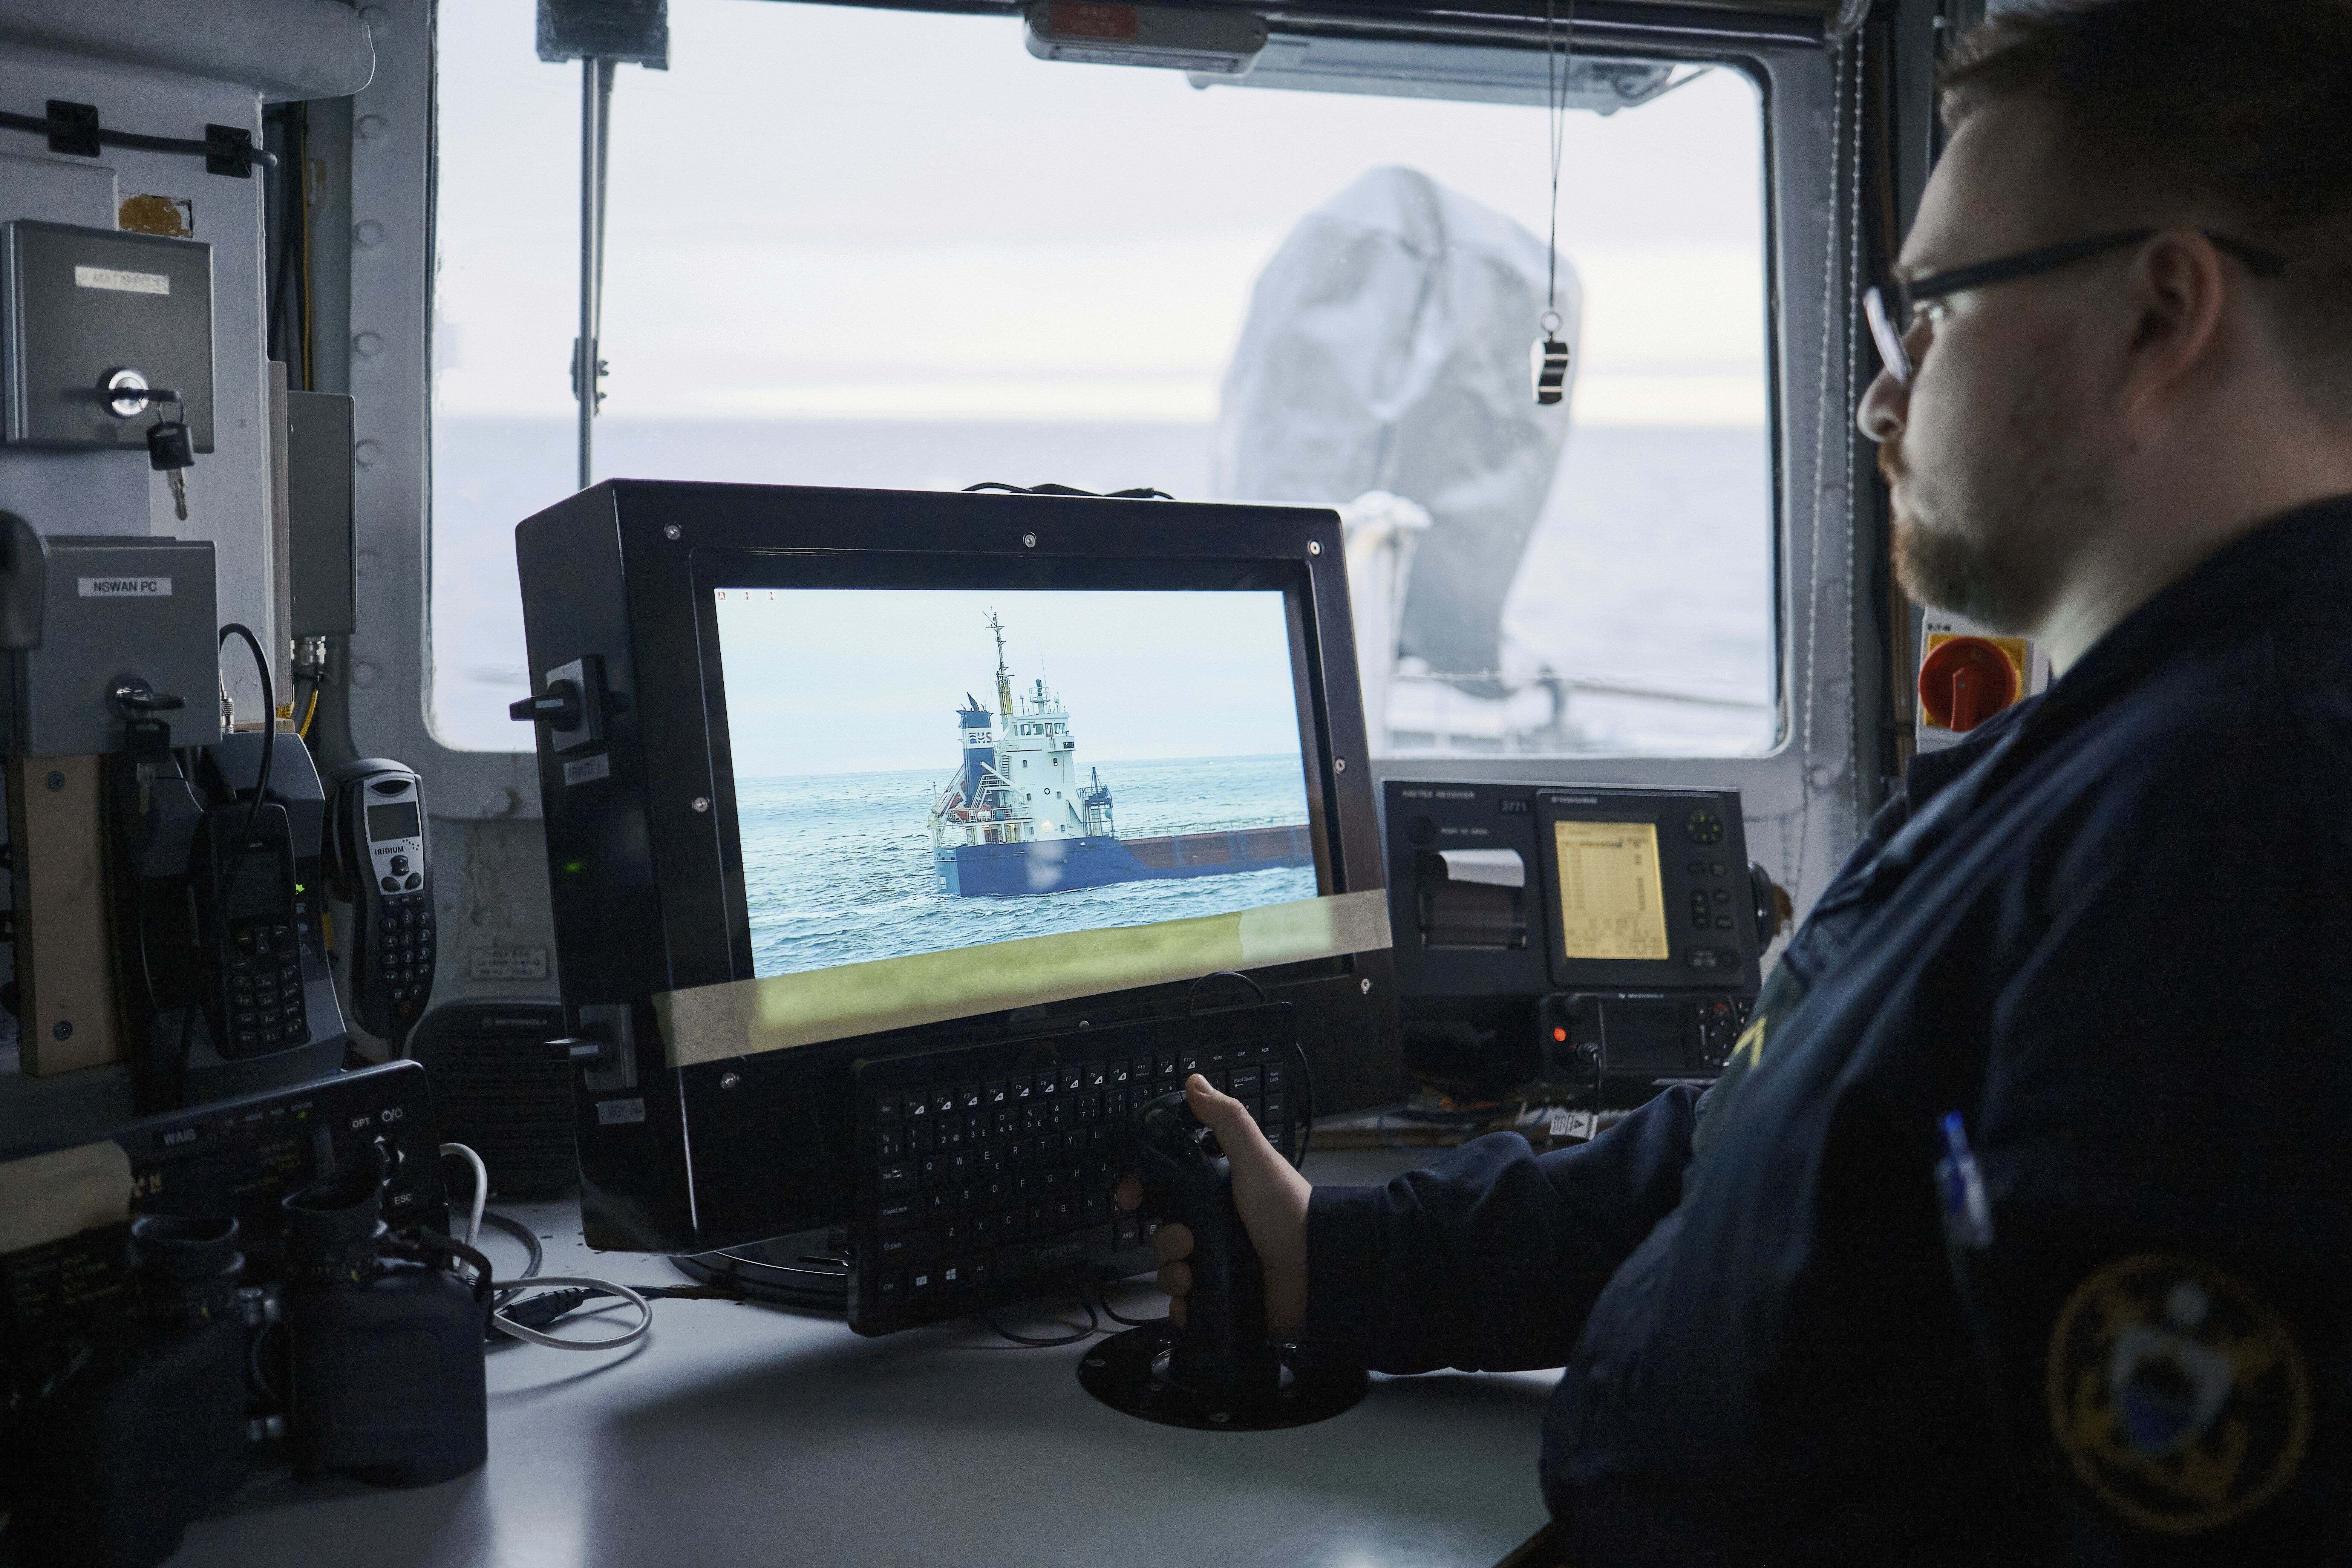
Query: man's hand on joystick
[(1272, 1197)]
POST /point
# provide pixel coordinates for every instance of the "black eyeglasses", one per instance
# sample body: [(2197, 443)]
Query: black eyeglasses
[(1889, 327)]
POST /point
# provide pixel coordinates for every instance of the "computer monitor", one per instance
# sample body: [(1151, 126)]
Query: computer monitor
[(832, 776)]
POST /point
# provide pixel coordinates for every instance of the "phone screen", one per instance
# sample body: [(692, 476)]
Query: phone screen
[(392, 821), (260, 889)]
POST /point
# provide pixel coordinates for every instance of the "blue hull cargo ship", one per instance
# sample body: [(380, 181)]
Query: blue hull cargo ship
[(1017, 820)]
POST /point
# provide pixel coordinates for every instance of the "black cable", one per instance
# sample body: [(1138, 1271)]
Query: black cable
[(1138, 493), (1102, 1294), (438, 1249), (243, 152), (268, 742), (1094, 1326), (529, 1238), (1191, 997)]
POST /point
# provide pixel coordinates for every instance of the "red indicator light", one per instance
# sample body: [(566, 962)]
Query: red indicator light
[(1560, 1034)]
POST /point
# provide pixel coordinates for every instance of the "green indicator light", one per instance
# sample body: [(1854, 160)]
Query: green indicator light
[(575, 866)]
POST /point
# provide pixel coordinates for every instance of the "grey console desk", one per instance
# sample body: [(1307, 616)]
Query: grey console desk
[(740, 1435)]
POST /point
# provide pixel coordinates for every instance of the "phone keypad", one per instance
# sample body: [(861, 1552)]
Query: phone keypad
[(403, 954), (264, 989)]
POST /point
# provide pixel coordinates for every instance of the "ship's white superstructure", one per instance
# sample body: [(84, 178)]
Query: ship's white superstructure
[(1020, 781)]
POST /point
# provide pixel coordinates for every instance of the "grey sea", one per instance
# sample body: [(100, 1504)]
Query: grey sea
[(837, 867), (1651, 568)]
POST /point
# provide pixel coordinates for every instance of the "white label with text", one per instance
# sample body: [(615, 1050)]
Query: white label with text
[(120, 281), (125, 587)]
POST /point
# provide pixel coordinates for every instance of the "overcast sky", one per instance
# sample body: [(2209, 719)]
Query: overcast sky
[(836, 681), (823, 211)]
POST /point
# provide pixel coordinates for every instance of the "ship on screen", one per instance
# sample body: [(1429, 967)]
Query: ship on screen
[(1017, 820)]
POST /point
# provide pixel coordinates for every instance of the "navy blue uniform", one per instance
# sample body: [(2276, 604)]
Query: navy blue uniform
[(2113, 931)]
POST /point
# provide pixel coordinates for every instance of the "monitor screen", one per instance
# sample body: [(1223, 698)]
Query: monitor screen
[(930, 770)]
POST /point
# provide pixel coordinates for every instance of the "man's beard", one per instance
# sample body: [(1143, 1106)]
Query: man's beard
[(1992, 543)]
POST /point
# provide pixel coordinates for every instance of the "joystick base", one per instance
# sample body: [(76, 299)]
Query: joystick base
[(1125, 1372)]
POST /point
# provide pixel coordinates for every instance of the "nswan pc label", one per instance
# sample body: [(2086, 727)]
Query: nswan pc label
[(125, 587), (121, 281)]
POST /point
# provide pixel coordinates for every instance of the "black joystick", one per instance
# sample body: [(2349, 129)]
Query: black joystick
[(1220, 1371)]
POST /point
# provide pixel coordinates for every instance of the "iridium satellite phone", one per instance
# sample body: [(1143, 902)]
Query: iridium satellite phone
[(384, 871)]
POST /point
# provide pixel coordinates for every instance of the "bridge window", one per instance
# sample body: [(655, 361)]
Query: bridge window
[(818, 273)]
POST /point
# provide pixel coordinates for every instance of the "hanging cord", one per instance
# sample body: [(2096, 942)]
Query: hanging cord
[(1559, 55)]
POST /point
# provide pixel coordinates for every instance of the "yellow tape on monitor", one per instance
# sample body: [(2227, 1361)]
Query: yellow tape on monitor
[(744, 1017)]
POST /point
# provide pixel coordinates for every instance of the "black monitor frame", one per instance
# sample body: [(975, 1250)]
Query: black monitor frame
[(645, 862)]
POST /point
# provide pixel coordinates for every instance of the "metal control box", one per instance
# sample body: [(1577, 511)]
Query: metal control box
[(79, 306), (117, 610), (319, 485)]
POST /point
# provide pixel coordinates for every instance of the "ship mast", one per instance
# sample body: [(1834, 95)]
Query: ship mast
[(1004, 673)]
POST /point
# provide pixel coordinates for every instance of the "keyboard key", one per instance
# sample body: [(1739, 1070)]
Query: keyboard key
[(968, 1199), (1117, 1074), (923, 1135), (1275, 1106), (943, 1101), (1094, 1208), (921, 1283), (890, 1143), (885, 1109), (1164, 1065), (1022, 1088), (962, 1165), (897, 1214), (904, 1247), (1246, 1081), (969, 1098), (1049, 1081), (1272, 1073), (889, 1289), (978, 1272), (1097, 1075), (931, 1168), (1126, 1233), (951, 1276), (992, 1094)]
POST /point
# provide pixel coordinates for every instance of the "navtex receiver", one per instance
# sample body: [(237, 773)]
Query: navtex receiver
[(1594, 935)]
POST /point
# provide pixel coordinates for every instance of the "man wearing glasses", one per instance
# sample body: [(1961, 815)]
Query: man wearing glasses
[(2020, 1228)]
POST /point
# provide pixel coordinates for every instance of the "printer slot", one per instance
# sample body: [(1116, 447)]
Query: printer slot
[(1472, 898)]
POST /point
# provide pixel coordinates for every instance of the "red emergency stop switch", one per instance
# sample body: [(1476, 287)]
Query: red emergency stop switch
[(1964, 682)]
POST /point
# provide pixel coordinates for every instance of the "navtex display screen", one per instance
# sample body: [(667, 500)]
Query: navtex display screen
[(1612, 904), (1644, 889), (985, 782)]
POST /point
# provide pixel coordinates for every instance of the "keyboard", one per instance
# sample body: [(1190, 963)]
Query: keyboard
[(989, 1170)]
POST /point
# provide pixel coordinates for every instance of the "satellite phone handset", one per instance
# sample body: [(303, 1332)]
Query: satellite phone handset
[(1222, 1347)]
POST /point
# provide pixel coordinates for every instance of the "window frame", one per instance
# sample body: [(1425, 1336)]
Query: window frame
[(1804, 799)]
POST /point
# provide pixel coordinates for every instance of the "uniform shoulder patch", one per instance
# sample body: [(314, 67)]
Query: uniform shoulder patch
[(2180, 1396)]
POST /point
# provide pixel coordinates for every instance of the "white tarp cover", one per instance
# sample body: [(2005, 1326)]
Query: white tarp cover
[(1387, 349)]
